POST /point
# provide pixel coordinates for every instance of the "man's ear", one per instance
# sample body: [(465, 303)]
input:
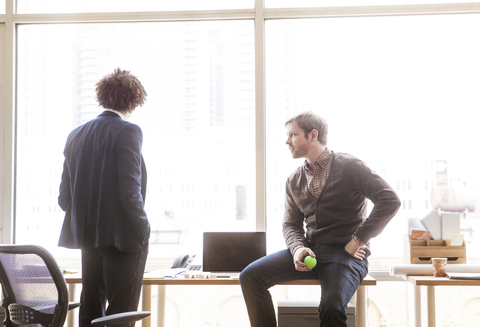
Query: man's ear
[(313, 135)]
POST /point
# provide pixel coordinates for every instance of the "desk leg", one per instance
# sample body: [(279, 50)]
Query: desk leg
[(71, 298), (147, 304), (431, 305), (361, 307), (161, 305), (417, 303)]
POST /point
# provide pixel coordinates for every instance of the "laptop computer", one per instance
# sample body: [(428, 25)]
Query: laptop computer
[(231, 252), (226, 254)]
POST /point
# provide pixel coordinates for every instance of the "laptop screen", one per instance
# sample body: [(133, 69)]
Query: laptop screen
[(232, 251)]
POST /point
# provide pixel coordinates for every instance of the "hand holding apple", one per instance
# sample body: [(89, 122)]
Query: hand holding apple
[(310, 262)]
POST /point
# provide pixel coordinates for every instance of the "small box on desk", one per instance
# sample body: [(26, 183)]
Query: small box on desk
[(422, 251)]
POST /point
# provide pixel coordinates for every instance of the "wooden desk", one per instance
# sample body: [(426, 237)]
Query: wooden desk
[(430, 282), (161, 283)]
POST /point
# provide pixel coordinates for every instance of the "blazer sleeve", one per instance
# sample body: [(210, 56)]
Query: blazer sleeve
[(130, 177), (65, 196)]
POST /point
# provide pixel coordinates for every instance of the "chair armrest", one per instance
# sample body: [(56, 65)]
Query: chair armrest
[(73, 305), (120, 318)]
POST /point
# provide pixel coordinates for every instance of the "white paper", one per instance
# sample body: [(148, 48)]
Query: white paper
[(457, 240), (450, 224), (433, 223)]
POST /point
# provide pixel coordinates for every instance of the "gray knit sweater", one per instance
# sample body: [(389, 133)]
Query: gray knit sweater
[(340, 210)]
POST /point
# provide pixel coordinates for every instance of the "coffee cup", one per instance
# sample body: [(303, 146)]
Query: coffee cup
[(439, 267)]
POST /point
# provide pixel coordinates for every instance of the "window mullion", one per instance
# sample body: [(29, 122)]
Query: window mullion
[(7, 74), (260, 115)]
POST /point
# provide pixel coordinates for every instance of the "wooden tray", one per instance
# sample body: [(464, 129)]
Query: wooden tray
[(422, 251)]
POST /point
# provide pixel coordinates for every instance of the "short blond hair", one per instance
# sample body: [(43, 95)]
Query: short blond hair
[(309, 121)]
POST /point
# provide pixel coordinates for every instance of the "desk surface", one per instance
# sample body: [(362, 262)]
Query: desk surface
[(152, 280), (441, 281)]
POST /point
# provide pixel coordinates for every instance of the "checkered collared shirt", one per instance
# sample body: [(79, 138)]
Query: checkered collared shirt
[(317, 178)]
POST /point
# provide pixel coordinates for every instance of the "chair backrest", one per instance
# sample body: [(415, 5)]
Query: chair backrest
[(34, 289)]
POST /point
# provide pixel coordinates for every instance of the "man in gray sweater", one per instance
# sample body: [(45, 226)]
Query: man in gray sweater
[(328, 195)]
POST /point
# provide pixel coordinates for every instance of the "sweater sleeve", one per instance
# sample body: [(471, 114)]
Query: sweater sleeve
[(293, 218), (385, 201)]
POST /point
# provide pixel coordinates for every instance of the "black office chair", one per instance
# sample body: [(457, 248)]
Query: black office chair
[(35, 292)]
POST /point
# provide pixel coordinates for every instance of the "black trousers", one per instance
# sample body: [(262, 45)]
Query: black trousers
[(109, 274)]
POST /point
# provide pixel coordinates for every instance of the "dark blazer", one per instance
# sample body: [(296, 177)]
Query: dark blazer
[(103, 186)]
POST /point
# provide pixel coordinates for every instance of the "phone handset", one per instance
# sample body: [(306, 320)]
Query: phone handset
[(183, 261)]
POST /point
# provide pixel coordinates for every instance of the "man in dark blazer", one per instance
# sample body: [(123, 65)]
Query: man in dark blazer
[(103, 194)]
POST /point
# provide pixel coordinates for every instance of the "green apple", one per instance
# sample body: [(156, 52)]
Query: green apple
[(310, 262)]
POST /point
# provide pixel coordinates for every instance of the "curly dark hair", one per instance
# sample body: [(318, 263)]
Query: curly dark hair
[(120, 91)]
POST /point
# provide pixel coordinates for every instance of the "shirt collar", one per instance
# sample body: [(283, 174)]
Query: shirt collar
[(322, 161), (118, 113)]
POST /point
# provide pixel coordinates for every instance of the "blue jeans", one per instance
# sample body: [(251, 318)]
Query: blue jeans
[(339, 273)]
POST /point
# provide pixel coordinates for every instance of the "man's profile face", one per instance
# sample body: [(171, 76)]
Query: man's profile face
[(298, 144)]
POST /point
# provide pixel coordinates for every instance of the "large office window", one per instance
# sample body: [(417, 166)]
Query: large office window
[(198, 122), (400, 93)]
